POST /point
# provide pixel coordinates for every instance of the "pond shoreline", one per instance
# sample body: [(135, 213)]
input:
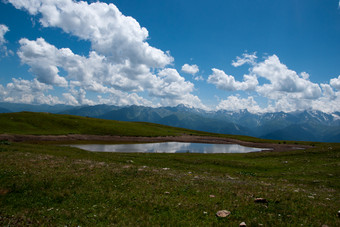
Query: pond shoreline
[(129, 139)]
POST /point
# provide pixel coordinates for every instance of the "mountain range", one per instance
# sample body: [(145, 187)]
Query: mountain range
[(300, 126)]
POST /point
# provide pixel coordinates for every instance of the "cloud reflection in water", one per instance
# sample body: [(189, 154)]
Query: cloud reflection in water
[(169, 147)]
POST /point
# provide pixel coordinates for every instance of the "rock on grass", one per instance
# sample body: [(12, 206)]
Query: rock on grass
[(223, 213), (242, 224)]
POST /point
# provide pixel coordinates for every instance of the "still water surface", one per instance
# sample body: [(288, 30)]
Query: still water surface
[(169, 147)]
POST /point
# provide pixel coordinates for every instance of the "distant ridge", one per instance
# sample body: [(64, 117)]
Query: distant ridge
[(299, 126), (4, 110)]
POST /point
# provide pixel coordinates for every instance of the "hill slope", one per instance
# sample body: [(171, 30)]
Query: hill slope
[(57, 124)]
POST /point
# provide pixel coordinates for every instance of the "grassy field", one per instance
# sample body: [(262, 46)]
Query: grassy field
[(50, 185)]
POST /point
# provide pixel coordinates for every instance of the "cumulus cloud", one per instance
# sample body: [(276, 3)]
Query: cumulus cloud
[(234, 103), (3, 30), (190, 69), (27, 91), (245, 59), (335, 82), (124, 99), (290, 91), (284, 81), (96, 73), (327, 90), (173, 89), (227, 82), (3, 48), (121, 62), (120, 38), (284, 89), (327, 104), (93, 73), (170, 84), (43, 59)]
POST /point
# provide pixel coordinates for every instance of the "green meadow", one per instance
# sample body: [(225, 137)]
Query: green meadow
[(44, 184)]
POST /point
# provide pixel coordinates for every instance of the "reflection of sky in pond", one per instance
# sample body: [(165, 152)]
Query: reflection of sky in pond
[(170, 147)]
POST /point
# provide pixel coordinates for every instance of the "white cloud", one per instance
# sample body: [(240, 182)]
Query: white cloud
[(80, 96), (43, 59), (335, 82), (120, 38), (25, 91), (97, 74), (124, 99), (227, 82), (327, 104), (170, 84), (291, 92), (234, 103), (190, 69), (283, 88), (172, 88), (3, 48), (94, 73), (327, 90), (3, 30), (70, 99), (198, 78), (284, 81), (245, 59), (304, 75), (121, 62)]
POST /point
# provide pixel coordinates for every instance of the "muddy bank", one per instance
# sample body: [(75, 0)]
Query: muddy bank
[(113, 139)]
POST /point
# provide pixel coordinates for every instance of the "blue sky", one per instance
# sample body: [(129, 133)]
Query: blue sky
[(260, 55)]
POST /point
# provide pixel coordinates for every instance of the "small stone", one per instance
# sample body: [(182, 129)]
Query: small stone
[(243, 224), (166, 168), (204, 212), (223, 213), (339, 214), (260, 200), (167, 193), (212, 196)]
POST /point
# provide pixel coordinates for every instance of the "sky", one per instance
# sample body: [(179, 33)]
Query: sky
[(259, 55)]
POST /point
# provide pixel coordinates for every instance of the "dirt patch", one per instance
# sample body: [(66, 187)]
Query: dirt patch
[(129, 139)]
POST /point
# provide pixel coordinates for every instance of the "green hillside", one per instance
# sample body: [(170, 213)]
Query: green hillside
[(56, 124), (32, 123)]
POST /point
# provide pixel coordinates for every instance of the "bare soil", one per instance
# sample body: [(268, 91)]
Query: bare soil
[(114, 139)]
